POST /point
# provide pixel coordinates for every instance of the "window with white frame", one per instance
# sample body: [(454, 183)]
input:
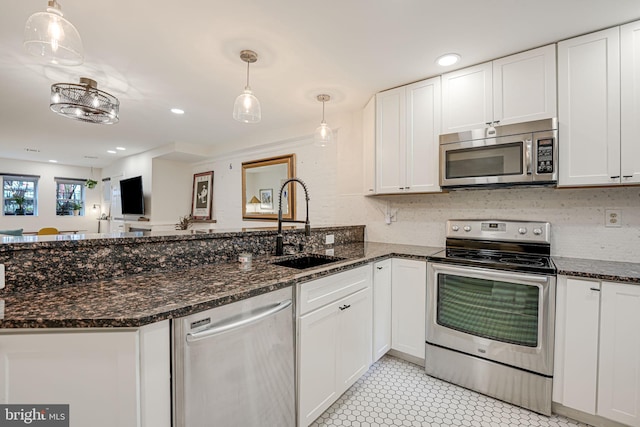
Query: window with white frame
[(20, 195), (69, 196)]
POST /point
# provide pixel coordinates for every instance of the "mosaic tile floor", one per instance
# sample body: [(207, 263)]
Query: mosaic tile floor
[(398, 393)]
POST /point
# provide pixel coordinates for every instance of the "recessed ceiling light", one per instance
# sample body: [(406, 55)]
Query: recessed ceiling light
[(448, 59), (111, 151), (53, 161), (177, 111), (120, 148)]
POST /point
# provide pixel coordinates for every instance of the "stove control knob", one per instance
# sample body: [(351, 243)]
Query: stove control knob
[(455, 228), (522, 230), (537, 231), (467, 228)]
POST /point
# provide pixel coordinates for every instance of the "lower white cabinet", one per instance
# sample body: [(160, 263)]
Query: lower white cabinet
[(408, 306), (108, 378), (334, 338), (597, 349), (381, 308)]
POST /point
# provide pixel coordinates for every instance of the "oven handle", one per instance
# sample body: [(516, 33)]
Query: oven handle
[(491, 274), (529, 153)]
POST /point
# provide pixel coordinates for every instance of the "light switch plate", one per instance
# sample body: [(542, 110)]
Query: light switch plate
[(1, 276), (329, 239), (612, 218)]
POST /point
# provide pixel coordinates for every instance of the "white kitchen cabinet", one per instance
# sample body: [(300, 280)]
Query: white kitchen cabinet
[(334, 338), (467, 98), (576, 343), (630, 103), (599, 105), (517, 88), (109, 378), (619, 364), (597, 349), (369, 147), (408, 306), (381, 308), (407, 130), (589, 109)]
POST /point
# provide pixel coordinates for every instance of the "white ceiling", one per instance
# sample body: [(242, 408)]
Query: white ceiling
[(155, 55)]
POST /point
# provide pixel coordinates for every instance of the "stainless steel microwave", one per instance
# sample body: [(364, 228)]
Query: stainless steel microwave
[(517, 154)]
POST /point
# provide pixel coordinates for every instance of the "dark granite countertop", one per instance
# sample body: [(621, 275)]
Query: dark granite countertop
[(138, 300), (627, 272)]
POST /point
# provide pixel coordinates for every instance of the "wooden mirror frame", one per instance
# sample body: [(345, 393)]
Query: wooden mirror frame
[(290, 161)]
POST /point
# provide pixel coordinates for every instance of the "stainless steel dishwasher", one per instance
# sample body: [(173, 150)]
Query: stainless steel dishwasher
[(234, 365)]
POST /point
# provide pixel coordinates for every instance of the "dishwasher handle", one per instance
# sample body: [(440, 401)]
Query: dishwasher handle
[(196, 336)]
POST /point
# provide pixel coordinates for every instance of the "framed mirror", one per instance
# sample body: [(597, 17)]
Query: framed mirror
[(261, 182)]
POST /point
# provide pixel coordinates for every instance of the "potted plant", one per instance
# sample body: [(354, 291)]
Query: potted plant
[(90, 183), (19, 198), (76, 208)]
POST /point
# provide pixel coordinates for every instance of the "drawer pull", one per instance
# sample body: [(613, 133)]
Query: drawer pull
[(627, 176), (615, 177), (379, 268), (344, 307), (595, 289)]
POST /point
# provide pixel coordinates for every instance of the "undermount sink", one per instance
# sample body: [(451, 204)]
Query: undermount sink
[(302, 262)]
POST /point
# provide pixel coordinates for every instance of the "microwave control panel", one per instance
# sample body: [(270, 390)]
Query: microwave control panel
[(544, 149)]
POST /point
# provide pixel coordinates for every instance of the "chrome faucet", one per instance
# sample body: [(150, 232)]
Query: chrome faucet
[(307, 226)]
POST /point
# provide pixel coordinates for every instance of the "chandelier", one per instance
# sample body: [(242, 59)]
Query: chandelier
[(84, 102)]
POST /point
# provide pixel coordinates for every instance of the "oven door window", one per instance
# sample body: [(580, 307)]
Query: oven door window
[(501, 311), (493, 160)]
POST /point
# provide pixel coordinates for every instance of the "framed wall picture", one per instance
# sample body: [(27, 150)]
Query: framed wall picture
[(266, 198), (202, 199)]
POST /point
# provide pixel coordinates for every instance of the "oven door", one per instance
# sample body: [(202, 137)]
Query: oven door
[(500, 160), (506, 317)]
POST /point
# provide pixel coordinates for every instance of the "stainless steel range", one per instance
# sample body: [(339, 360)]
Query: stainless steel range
[(491, 310)]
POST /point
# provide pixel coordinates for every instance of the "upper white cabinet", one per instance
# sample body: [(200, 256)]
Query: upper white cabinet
[(467, 99), (597, 349), (517, 88), (630, 103), (369, 147), (407, 130), (589, 109), (408, 306), (599, 103)]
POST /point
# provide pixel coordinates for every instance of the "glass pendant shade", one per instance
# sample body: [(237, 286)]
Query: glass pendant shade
[(84, 102), (247, 107), (323, 136), (50, 37)]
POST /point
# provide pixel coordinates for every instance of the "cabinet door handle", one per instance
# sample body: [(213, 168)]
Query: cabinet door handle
[(615, 177), (344, 307), (401, 188), (595, 289), (379, 268), (627, 176)]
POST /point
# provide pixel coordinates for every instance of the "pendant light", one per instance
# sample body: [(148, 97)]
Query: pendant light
[(247, 107), (49, 36), (84, 102), (323, 135)]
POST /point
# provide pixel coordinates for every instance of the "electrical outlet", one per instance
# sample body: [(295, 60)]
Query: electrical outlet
[(612, 218), (329, 239), (329, 252), (1, 276), (1, 309)]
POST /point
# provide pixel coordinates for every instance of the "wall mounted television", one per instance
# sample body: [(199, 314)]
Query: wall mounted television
[(131, 196)]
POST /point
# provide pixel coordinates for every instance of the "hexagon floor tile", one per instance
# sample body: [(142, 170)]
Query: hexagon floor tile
[(398, 393)]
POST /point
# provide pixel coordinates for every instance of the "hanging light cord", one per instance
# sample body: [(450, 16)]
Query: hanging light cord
[(247, 86), (323, 112)]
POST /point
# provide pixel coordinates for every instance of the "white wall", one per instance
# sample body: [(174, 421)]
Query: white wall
[(320, 168), (172, 185), (47, 197), (128, 167)]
